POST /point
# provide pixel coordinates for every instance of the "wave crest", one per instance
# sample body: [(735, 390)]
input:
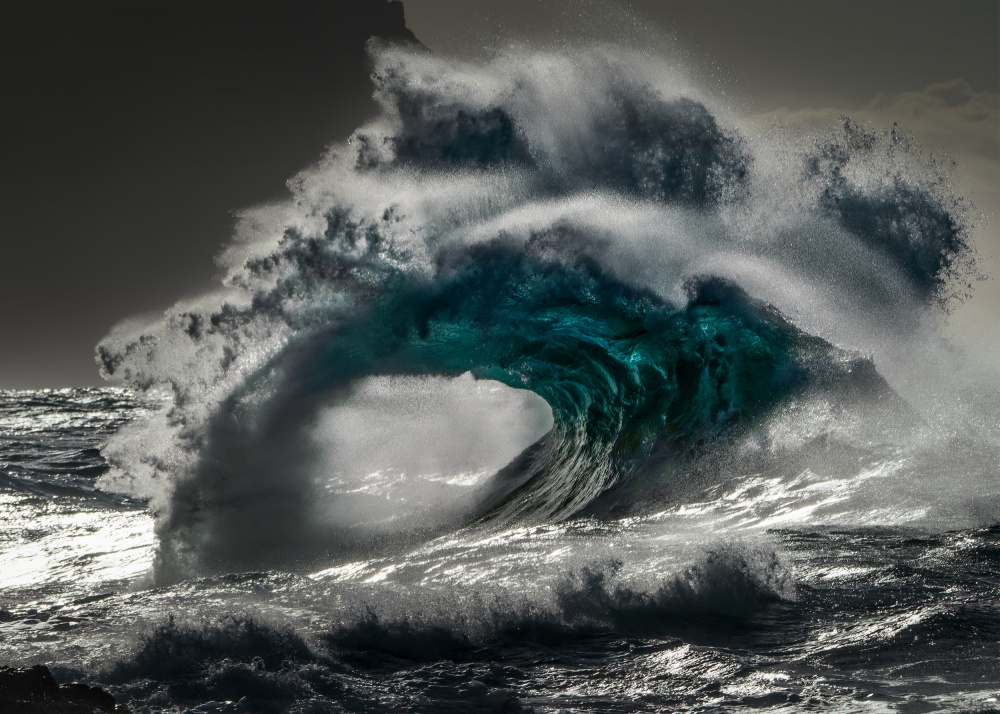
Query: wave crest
[(586, 226)]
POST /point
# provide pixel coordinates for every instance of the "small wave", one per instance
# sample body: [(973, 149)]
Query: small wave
[(729, 581), (237, 658), (727, 586), (240, 664)]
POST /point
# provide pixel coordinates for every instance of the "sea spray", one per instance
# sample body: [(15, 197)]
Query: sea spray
[(586, 225)]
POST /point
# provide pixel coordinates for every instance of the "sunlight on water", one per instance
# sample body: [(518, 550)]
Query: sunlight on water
[(51, 543)]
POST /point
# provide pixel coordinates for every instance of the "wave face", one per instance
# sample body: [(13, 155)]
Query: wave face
[(587, 226)]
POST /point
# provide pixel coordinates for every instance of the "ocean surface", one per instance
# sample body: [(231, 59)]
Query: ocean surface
[(559, 387)]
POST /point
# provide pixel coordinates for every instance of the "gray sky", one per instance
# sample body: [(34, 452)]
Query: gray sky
[(131, 129), (126, 145), (780, 52)]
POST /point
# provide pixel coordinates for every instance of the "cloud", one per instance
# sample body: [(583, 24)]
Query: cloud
[(954, 93), (948, 116), (949, 113)]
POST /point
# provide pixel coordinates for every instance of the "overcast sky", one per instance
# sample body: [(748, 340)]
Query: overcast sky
[(132, 129)]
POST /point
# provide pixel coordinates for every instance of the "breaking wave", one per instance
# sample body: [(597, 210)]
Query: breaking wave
[(585, 226)]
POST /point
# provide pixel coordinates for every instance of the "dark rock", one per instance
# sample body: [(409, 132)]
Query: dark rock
[(94, 696), (26, 682), (35, 691)]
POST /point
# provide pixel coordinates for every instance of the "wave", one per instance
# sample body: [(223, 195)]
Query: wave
[(376, 652), (586, 226), (726, 585), (236, 659)]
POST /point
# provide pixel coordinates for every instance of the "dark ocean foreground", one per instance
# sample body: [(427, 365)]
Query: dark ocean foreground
[(552, 390), (699, 607)]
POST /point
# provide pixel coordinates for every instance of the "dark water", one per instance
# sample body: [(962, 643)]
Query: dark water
[(559, 387), (671, 611)]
